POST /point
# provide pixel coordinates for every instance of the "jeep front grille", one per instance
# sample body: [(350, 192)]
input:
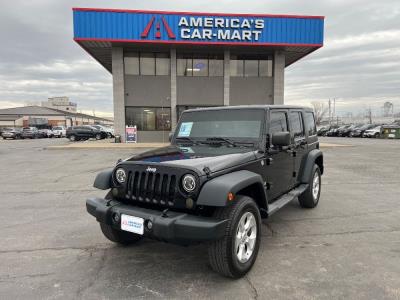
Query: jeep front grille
[(154, 188)]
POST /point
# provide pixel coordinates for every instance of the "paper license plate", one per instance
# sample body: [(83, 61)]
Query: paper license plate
[(132, 224)]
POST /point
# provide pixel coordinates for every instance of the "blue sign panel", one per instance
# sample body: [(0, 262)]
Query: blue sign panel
[(170, 27)]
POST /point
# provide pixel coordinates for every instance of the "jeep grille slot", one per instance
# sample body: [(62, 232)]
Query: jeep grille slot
[(149, 187)]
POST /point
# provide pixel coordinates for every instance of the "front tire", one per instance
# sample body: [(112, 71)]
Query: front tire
[(119, 236), (235, 253), (310, 197), (72, 138), (98, 136)]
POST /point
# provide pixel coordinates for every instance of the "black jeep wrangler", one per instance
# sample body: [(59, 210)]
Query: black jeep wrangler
[(226, 168)]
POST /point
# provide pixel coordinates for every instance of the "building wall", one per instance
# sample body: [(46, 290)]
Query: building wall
[(200, 91), (251, 90), (171, 91), (147, 90)]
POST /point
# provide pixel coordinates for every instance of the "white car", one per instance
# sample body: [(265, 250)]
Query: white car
[(59, 131), (374, 132), (107, 129)]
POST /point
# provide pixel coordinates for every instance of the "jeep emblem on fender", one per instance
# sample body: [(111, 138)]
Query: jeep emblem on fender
[(150, 169)]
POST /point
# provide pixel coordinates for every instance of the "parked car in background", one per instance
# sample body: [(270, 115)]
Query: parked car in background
[(59, 131), (103, 129), (46, 133), (359, 131), (109, 130), (11, 133), (334, 130), (323, 130), (84, 132), (30, 133), (345, 130), (374, 132)]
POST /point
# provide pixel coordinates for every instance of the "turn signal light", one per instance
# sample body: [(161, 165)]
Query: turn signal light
[(231, 196)]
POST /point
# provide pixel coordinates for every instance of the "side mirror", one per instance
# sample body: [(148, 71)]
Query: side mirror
[(281, 139), (170, 136)]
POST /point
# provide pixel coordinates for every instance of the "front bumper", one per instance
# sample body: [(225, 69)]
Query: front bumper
[(175, 227)]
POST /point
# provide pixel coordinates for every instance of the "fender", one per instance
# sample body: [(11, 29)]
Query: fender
[(306, 170), (215, 191), (103, 180)]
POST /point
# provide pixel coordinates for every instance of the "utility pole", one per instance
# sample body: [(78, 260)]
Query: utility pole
[(330, 112)]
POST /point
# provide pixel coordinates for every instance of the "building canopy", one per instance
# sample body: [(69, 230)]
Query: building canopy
[(98, 30)]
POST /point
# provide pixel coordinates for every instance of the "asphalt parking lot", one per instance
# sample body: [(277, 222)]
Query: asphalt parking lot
[(346, 248)]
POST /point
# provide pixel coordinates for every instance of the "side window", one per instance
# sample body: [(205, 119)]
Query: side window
[(310, 123), (278, 122), (296, 124)]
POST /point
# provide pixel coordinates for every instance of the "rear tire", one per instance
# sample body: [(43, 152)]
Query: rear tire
[(119, 236), (310, 197), (235, 253), (72, 138)]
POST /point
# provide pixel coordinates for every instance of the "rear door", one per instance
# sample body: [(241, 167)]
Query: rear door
[(310, 130), (279, 172), (299, 142)]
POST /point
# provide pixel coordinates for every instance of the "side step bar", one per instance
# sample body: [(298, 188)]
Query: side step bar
[(286, 198)]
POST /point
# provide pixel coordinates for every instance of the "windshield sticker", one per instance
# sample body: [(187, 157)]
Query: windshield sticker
[(186, 149), (185, 129)]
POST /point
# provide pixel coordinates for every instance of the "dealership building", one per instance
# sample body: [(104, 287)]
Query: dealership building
[(165, 62)]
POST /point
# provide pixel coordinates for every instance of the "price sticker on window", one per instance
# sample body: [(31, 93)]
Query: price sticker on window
[(185, 129)]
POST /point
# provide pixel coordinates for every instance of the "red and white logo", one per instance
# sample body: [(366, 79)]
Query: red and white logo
[(157, 35)]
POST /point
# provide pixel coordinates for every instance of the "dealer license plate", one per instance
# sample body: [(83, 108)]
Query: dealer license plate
[(132, 224)]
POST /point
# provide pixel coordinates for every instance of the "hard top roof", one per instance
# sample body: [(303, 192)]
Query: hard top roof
[(236, 107)]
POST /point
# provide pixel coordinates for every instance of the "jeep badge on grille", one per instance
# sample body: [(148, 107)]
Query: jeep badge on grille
[(150, 169)]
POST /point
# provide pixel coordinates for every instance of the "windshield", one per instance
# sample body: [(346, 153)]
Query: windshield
[(242, 125)]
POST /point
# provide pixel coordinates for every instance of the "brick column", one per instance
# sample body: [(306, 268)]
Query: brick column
[(174, 117), (118, 91), (227, 76), (279, 78)]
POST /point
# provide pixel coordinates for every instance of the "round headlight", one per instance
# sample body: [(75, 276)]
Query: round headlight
[(189, 183), (120, 175)]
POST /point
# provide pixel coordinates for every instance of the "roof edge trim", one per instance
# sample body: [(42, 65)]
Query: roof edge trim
[(196, 13)]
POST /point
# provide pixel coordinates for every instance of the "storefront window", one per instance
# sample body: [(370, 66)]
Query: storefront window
[(184, 66), (200, 67), (162, 64), (132, 64), (251, 68), (236, 67), (189, 65), (216, 66), (147, 64), (265, 68), (149, 118)]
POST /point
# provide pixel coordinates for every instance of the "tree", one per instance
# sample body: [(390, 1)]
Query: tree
[(320, 111)]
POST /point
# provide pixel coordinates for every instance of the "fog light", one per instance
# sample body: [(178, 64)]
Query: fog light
[(115, 192), (115, 218), (149, 225), (189, 203)]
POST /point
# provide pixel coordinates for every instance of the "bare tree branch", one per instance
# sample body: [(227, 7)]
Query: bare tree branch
[(320, 111)]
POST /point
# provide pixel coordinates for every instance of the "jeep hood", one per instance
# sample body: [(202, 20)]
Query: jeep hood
[(197, 157)]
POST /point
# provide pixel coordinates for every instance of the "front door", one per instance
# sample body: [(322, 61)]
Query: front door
[(279, 172)]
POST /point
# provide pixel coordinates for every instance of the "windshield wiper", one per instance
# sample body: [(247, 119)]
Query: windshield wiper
[(185, 139), (228, 141)]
